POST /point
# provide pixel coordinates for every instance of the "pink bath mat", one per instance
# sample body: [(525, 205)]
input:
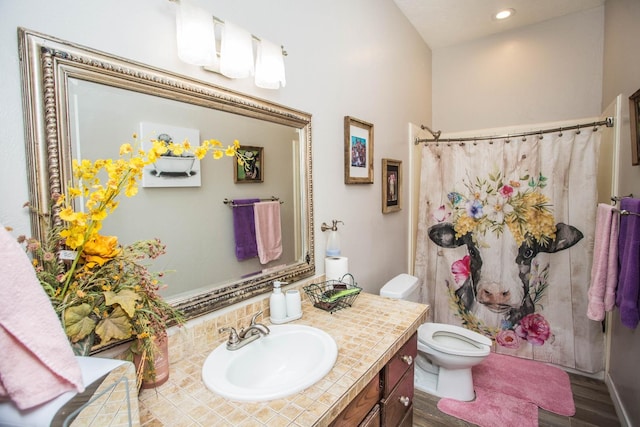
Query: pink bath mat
[(491, 409), (499, 379)]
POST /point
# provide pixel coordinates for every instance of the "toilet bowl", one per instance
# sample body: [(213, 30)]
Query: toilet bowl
[(446, 353)]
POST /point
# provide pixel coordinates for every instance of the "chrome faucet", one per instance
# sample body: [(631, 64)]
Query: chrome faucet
[(245, 336)]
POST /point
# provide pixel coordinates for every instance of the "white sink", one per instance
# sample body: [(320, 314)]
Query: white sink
[(288, 360)]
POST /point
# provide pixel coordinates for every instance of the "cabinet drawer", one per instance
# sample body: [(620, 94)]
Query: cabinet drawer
[(399, 403), (358, 409), (398, 365)]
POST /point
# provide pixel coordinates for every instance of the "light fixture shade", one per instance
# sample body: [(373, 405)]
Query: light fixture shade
[(236, 52), (195, 35), (269, 66)]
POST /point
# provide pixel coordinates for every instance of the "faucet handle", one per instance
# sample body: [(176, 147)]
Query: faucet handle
[(233, 335), (255, 316)]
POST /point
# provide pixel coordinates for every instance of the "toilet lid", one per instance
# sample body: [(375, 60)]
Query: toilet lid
[(454, 340)]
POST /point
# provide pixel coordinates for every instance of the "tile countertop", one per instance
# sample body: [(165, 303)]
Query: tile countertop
[(368, 335)]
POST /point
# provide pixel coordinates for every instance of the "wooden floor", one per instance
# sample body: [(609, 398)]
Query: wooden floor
[(591, 397)]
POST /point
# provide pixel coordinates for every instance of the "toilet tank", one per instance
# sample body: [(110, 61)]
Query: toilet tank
[(403, 286)]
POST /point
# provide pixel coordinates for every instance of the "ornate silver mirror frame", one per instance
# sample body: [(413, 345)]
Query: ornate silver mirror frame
[(48, 63)]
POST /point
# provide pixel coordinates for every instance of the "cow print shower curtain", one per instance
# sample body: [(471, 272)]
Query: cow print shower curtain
[(505, 241)]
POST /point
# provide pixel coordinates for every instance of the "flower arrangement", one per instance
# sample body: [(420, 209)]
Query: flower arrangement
[(491, 203), (101, 290)]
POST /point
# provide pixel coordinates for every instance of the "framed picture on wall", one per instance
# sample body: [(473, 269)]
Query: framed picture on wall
[(634, 120), (170, 170), (252, 169), (358, 151), (391, 185)]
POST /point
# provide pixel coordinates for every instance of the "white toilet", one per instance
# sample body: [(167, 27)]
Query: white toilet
[(446, 353)]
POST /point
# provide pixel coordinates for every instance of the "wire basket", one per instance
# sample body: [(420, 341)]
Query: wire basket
[(333, 295)]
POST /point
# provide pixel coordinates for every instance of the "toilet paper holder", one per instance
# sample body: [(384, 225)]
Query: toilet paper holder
[(324, 227)]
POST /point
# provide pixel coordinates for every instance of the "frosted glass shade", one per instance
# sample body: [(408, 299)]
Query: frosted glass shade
[(269, 66), (195, 35), (236, 52)]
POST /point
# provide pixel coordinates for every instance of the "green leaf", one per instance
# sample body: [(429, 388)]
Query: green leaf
[(126, 299), (115, 326), (77, 322)]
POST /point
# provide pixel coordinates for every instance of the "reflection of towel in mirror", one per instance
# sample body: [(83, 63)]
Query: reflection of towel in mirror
[(37, 363), (268, 230), (629, 256), (604, 270), (244, 228)]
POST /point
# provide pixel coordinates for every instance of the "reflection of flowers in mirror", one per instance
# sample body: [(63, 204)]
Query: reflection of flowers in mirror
[(100, 289)]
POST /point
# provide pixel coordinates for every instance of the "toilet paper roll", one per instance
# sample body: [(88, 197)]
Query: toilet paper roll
[(336, 267)]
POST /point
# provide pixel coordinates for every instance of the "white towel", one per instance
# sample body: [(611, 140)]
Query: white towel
[(36, 361), (604, 270), (268, 230)]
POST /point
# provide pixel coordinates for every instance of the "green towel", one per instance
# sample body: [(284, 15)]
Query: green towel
[(334, 296)]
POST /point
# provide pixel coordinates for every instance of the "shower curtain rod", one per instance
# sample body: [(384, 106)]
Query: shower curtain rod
[(608, 122)]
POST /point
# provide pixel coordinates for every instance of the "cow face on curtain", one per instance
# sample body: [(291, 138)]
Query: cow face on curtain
[(498, 283)]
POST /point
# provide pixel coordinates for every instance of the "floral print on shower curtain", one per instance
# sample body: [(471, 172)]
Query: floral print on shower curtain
[(505, 240)]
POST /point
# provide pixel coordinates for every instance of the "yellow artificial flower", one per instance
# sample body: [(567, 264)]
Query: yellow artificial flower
[(126, 149), (100, 249), (200, 152)]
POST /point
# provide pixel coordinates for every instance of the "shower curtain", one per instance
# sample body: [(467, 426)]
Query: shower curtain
[(505, 241)]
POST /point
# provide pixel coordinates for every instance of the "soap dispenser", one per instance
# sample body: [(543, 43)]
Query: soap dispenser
[(277, 303), (333, 241)]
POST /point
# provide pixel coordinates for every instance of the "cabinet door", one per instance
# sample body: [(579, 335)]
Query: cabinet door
[(399, 403), (358, 409), (373, 419), (400, 363)]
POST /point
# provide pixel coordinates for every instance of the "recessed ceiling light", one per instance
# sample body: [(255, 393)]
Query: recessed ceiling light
[(504, 14)]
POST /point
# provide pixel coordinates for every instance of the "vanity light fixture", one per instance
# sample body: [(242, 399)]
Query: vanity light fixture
[(504, 14), (236, 52), (196, 37)]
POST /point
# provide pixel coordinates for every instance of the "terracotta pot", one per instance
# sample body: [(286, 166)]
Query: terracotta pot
[(158, 374)]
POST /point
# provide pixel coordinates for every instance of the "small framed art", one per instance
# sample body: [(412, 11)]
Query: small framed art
[(358, 151), (391, 185), (252, 169), (170, 170), (634, 120)]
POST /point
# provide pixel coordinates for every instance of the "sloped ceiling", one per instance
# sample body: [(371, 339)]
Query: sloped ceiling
[(443, 23)]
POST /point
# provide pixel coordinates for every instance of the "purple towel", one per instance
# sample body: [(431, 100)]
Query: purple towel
[(629, 256), (244, 229)]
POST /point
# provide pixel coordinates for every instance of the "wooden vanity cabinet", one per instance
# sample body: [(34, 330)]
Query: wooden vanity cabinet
[(387, 400)]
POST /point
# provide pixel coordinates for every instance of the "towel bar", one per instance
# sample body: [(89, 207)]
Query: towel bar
[(626, 212), (232, 204)]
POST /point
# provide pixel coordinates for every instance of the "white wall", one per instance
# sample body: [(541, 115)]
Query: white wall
[(622, 76), (547, 72), (360, 58)]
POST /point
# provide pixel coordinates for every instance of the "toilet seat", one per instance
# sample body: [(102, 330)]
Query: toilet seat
[(453, 340)]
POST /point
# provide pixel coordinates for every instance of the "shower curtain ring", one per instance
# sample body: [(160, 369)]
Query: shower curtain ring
[(578, 130), (560, 134)]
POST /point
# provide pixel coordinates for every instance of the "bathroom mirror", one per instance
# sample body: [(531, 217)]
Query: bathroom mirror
[(82, 103)]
